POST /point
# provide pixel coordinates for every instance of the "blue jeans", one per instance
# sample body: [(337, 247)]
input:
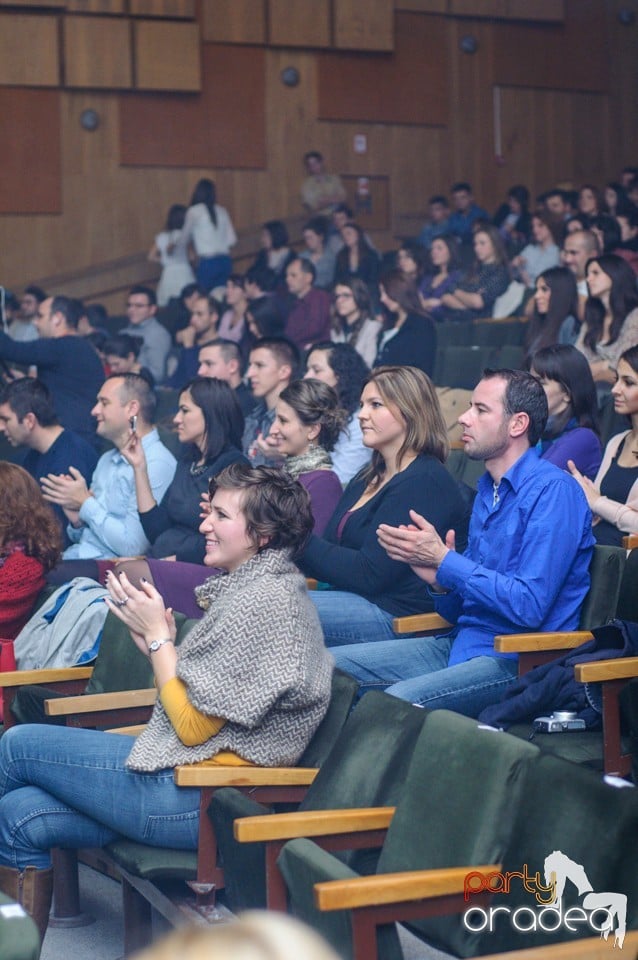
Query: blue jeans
[(64, 787), (416, 669), (213, 271), (349, 618)]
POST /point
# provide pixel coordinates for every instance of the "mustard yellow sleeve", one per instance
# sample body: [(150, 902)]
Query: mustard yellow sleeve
[(191, 726)]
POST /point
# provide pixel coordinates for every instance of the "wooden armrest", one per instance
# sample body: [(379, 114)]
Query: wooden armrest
[(630, 542), (531, 642), (118, 700), (311, 583), (394, 887), (624, 668), (432, 622), (20, 678), (133, 731), (194, 775), (311, 823)]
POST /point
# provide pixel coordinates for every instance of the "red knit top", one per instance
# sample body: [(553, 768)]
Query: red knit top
[(21, 579)]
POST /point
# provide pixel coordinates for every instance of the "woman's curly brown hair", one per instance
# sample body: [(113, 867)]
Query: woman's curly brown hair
[(26, 518)]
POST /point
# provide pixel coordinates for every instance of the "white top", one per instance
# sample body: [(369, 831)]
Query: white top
[(209, 240)]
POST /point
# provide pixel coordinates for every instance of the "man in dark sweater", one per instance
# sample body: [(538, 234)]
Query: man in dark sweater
[(27, 418), (67, 364), (309, 319)]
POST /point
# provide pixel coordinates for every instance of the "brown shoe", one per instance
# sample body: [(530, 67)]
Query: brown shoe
[(33, 889)]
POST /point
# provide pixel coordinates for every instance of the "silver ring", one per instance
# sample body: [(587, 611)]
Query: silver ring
[(122, 603)]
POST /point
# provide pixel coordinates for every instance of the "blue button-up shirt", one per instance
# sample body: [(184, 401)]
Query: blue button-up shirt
[(526, 566), (110, 522)]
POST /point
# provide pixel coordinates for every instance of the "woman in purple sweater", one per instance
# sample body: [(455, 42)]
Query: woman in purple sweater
[(307, 424), (572, 426)]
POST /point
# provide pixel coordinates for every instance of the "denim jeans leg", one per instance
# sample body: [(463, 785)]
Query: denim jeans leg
[(380, 666), (466, 688), (85, 771), (348, 618)]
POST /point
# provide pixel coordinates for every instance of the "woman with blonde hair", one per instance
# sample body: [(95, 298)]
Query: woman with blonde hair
[(256, 935), (402, 425)]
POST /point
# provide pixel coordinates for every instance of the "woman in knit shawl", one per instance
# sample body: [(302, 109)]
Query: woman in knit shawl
[(248, 685)]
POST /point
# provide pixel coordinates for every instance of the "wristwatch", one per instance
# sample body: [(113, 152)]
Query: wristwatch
[(156, 644)]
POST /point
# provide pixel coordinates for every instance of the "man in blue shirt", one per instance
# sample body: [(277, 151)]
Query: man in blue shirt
[(103, 519), (466, 213), (525, 567)]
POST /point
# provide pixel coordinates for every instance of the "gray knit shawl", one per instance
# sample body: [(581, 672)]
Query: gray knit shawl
[(257, 658)]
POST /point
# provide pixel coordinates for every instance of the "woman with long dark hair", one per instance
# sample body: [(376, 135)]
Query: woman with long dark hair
[(210, 423), (613, 495), (275, 253), (487, 280), (353, 319), (611, 316), (342, 368), (555, 316), (571, 431), (357, 259), (409, 337), (209, 229), (443, 275)]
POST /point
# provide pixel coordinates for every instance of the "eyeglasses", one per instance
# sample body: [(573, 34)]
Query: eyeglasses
[(340, 296), (137, 306)]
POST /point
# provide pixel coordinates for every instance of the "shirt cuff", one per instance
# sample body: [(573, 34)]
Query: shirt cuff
[(455, 570)]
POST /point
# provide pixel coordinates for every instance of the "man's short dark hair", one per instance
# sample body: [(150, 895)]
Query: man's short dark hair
[(555, 192), (70, 309), (344, 208), (284, 351), (318, 225), (262, 277), (461, 186), (228, 349), (307, 266), (37, 292), (439, 198), (28, 395), (313, 155), (139, 288), (137, 387), (523, 394), (123, 345)]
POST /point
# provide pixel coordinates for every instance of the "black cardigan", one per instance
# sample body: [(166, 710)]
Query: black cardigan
[(359, 564), (414, 345), (172, 526)]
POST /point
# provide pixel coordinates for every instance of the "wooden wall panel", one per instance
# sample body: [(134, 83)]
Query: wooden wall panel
[(234, 21), (364, 24), (623, 103), (97, 52), (477, 8), (223, 127), (162, 8), (111, 7), (38, 35), (30, 136), (422, 6), (565, 57), (34, 3), (408, 86), (542, 10), (167, 56), (299, 23)]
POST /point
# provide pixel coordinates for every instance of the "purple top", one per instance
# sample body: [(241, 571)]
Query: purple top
[(580, 445), (325, 492)]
